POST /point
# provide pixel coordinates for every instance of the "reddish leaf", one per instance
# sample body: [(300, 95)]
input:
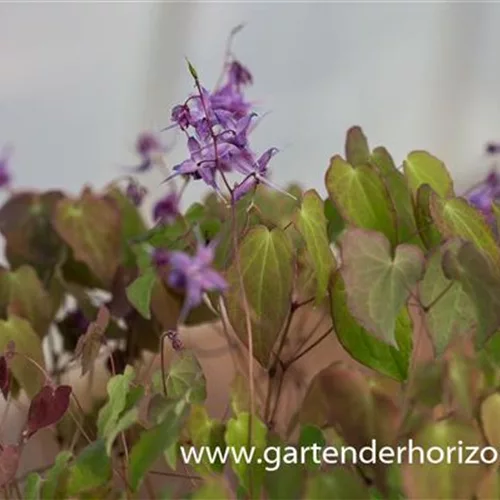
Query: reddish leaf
[(89, 345), (4, 377), (9, 462), (47, 408)]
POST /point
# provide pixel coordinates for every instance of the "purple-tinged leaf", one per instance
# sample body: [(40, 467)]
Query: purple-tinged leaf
[(47, 408), (9, 463)]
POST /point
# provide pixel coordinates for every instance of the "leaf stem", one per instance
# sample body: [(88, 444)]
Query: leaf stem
[(438, 298), (307, 349)]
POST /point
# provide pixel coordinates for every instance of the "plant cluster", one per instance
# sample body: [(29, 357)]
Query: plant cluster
[(407, 270)]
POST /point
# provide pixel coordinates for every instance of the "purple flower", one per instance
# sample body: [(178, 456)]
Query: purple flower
[(485, 194), (239, 75), (148, 146), (194, 275), (167, 208), (492, 148), (181, 116), (5, 177), (135, 192), (160, 257)]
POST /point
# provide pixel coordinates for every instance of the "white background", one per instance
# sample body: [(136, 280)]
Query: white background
[(80, 80)]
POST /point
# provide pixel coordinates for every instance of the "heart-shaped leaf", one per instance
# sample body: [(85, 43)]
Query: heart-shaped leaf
[(186, 379), (451, 312), (139, 292), (481, 282), (421, 168), (91, 226), (454, 217), (311, 223), (266, 265), (357, 150), (47, 408), (363, 346), (361, 197), (26, 224), (377, 283)]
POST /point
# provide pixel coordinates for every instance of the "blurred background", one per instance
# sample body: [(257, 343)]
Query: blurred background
[(79, 81)]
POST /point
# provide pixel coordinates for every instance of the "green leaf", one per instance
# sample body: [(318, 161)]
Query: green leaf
[(481, 282), (118, 389), (22, 291), (91, 226), (127, 420), (335, 222), (153, 443), (236, 437), (32, 487), (363, 346), (206, 433), (447, 478), (361, 197), (186, 379), (357, 151), (29, 344), (284, 479), (311, 223), (132, 225), (139, 292), (212, 489), (267, 266), (490, 410), (311, 435), (338, 484), (454, 217), (54, 480), (91, 469), (451, 312), (425, 223), (400, 195), (421, 168), (378, 283)]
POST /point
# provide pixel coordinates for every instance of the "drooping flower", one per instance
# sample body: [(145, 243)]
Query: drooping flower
[(239, 75), (485, 194), (166, 209), (492, 148), (135, 192), (194, 275), (149, 148)]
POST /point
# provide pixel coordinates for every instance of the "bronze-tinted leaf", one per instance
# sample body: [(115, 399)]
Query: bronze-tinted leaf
[(91, 226), (26, 224)]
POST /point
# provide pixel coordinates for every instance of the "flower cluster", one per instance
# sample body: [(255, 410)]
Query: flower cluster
[(217, 125)]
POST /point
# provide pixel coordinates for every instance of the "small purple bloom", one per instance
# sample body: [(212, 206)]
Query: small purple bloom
[(492, 148), (135, 192), (194, 275), (5, 177), (244, 187), (181, 116), (239, 75), (148, 146), (160, 257), (167, 208)]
